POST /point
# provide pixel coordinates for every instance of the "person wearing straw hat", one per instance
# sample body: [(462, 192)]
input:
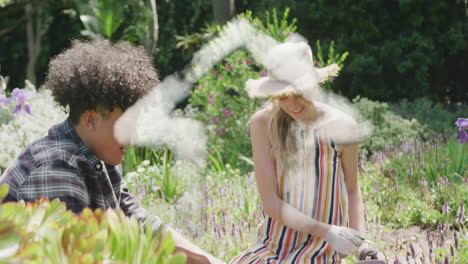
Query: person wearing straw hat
[(305, 159)]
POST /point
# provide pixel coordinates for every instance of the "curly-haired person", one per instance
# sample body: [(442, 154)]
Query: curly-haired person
[(78, 160)]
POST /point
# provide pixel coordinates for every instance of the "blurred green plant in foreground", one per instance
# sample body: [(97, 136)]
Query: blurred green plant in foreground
[(45, 232)]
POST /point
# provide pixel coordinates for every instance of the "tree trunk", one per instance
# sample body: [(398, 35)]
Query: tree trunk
[(32, 57), (36, 26), (223, 10), (155, 30)]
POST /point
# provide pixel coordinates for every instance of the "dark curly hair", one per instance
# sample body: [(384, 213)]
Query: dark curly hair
[(100, 75)]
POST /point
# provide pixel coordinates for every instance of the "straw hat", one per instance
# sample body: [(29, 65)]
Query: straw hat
[(290, 71)]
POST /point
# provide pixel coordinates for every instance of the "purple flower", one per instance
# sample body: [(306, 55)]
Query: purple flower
[(413, 252), (226, 112), (227, 68), (27, 108), (17, 109), (240, 62), (397, 261), (18, 96), (211, 99), (220, 131), (249, 61), (445, 208), (460, 213), (263, 73), (3, 101), (215, 120), (462, 123)]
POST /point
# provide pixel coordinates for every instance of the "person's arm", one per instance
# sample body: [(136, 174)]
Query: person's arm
[(267, 185), (131, 207), (349, 159), (194, 254)]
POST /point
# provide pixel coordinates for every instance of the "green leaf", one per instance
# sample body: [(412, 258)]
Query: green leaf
[(9, 210), (9, 239), (177, 259), (3, 191)]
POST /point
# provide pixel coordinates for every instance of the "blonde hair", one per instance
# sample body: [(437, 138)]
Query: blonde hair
[(280, 129)]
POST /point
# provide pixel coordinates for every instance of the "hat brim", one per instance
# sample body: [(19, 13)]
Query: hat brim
[(267, 87)]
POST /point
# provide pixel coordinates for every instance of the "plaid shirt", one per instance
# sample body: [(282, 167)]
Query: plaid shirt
[(61, 166)]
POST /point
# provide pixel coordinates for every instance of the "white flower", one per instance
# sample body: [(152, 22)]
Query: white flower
[(326, 72), (131, 175), (24, 129)]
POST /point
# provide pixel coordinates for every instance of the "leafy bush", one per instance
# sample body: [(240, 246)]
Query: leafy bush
[(388, 128), (399, 49), (45, 232), (434, 116)]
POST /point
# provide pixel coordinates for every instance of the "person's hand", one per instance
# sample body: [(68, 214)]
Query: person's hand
[(344, 240), (365, 251)]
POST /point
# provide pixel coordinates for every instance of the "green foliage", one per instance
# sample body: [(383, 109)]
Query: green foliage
[(333, 57), (178, 18), (429, 161), (388, 128), (175, 18), (399, 49), (134, 156), (225, 107), (45, 232), (412, 183), (101, 18), (5, 2), (165, 179), (138, 27), (434, 116)]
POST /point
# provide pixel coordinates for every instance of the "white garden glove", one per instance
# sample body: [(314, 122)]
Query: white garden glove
[(365, 251), (344, 240)]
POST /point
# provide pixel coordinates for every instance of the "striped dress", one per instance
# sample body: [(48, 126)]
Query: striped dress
[(316, 188)]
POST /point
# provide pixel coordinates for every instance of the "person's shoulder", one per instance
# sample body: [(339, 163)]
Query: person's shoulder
[(341, 126), (261, 118), (47, 149), (46, 157), (52, 148), (339, 117)]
